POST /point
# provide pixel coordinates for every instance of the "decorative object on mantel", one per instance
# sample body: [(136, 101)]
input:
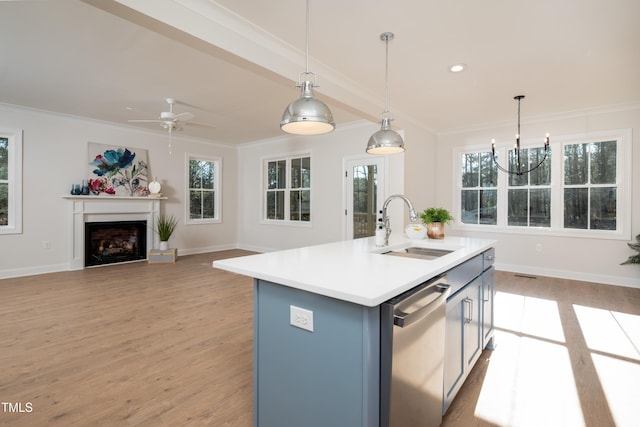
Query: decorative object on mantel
[(634, 259), (117, 170), (520, 165), (165, 225), (85, 187), (435, 219), (100, 186), (154, 188)]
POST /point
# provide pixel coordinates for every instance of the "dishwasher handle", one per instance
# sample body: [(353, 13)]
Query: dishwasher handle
[(404, 319)]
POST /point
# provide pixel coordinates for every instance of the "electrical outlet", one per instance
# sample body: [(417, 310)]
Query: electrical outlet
[(46, 244), (301, 318), (539, 247)]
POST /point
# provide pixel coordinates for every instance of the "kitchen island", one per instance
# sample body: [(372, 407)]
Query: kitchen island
[(317, 328)]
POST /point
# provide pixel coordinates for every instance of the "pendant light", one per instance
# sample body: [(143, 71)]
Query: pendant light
[(386, 140), (521, 167), (307, 115)]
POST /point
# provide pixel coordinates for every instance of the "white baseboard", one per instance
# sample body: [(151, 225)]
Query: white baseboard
[(55, 268), (32, 271), (255, 248), (571, 275), (206, 249)]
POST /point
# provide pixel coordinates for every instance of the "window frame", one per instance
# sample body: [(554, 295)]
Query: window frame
[(623, 185), (217, 184), (477, 189), (14, 181), (288, 158)]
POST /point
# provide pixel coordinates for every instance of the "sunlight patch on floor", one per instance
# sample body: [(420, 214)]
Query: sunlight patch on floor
[(529, 383), (528, 315), (620, 381), (614, 338), (609, 331)]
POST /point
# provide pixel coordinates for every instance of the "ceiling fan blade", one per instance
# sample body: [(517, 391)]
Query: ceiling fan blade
[(197, 124), (145, 121), (183, 116), (191, 106)]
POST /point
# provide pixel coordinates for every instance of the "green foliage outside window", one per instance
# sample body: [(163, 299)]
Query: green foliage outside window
[(202, 189)]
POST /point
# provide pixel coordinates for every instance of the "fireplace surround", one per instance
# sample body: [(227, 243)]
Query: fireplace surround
[(93, 209)]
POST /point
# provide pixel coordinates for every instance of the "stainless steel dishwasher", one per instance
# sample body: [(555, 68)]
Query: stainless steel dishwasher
[(412, 329)]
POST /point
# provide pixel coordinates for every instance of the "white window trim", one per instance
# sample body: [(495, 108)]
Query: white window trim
[(285, 222), (623, 176), (217, 189), (14, 225)]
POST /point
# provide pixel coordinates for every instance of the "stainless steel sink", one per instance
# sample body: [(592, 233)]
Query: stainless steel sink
[(419, 253)]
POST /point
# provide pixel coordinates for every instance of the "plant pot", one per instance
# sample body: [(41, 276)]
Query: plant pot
[(164, 246), (435, 230)]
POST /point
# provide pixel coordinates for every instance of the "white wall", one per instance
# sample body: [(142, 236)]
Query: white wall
[(421, 181), (586, 259), (55, 156), (328, 153)]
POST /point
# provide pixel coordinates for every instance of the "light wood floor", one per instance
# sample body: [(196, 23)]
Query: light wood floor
[(171, 345), (568, 354), (129, 345)]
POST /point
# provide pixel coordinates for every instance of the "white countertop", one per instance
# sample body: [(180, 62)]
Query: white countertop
[(355, 270)]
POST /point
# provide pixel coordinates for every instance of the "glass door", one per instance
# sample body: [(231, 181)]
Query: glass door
[(365, 195)]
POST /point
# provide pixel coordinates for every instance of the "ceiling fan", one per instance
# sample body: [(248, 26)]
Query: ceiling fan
[(170, 120)]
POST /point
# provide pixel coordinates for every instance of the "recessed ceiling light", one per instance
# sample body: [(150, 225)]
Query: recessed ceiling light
[(457, 68)]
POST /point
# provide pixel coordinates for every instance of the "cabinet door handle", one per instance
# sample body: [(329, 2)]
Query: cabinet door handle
[(469, 303), (490, 257), (487, 295)]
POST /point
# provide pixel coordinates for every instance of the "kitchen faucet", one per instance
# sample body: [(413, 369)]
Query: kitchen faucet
[(385, 217)]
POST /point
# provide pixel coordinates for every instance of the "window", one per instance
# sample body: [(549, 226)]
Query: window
[(582, 190), (288, 190), (590, 185), (479, 189), (10, 182), (204, 189)]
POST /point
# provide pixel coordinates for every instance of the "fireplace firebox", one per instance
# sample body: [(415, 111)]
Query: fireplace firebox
[(113, 242)]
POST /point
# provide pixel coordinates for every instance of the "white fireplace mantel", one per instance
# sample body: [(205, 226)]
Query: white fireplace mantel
[(109, 208)]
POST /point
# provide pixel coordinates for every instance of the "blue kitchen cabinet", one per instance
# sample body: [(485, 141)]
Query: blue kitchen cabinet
[(328, 377), (469, 321)]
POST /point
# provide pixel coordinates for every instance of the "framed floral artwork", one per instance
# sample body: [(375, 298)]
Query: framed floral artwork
[(120, 171)]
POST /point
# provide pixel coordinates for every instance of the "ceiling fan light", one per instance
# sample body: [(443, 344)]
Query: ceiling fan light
[(385, 141), (307, 115)]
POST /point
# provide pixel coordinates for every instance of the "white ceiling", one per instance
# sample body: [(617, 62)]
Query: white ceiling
[(233, 60)]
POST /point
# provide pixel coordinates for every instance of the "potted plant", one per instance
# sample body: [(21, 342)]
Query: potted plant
[(435, 219), (165, 225), (634, 259)]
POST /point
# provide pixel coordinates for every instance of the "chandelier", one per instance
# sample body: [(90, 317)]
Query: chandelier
[(522, 166)]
